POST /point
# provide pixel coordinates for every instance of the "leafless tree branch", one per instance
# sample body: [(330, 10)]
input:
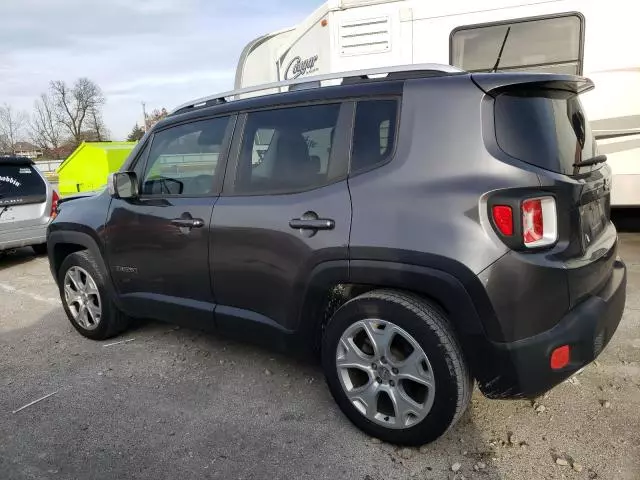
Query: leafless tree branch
[(12, 124), (44, 129), (73, 105)]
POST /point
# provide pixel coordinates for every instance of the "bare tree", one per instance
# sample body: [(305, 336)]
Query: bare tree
[(96, 128), (44, 128), (73, 105), (12, 124), (154, 117)]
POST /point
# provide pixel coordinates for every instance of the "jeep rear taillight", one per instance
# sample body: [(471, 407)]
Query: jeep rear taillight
[(539, 222), (524, 221), (54, 205)]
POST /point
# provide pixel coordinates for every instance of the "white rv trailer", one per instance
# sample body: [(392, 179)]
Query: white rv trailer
[(594, 38)]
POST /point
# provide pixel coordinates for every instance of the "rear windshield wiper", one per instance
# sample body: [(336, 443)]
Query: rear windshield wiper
[(591, 161), (504, 42)]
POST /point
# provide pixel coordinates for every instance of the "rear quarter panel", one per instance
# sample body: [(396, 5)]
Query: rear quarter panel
[(427, 199)]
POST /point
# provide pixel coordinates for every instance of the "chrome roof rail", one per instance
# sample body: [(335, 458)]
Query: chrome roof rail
[(315, 82)]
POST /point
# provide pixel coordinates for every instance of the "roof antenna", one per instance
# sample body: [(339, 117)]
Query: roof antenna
[(504, 42)]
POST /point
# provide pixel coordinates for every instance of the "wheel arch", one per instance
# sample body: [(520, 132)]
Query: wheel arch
[(61, 244), (333, 283)]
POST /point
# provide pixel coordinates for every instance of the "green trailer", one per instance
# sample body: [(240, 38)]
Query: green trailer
[(87, 168)]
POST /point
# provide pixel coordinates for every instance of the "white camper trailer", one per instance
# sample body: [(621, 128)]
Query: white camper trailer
[(593, 38)]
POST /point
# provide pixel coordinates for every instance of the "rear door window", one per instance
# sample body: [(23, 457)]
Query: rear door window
[(20, 184), (546, 128), (288, 150)]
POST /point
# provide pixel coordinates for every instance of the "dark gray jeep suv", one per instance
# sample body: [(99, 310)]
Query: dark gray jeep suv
[(418, 231)]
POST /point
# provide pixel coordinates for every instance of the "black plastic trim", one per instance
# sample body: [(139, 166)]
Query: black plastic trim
[(16, 161), (246, 325), (436, 283), (521, 368), (182, 311), (85, 240)]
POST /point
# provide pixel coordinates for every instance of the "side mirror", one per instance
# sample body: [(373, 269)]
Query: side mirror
[(123, 185)]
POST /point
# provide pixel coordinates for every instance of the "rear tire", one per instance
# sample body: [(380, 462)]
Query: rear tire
[(86, 298), (40, 249), (389, 395)]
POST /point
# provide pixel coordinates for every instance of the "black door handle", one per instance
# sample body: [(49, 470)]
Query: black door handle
[(310, 223), (188, 222)]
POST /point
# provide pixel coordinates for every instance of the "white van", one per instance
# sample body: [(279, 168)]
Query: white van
[(585, 37)]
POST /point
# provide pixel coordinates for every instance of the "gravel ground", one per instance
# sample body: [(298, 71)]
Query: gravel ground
[(178, 404)]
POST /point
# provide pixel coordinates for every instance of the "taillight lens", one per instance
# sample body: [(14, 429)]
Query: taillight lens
[(539, 222), (54, 205), (503, 218), (532, 221)]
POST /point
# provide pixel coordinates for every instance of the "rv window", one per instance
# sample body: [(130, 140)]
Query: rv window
[(183, 159), (552, 45), (374, 133), (287, 150)]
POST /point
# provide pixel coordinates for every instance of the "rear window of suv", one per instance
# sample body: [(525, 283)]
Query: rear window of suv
[(546, 128), (20, 183)]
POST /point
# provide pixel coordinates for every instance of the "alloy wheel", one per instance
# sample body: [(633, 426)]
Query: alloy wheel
[(82, 298), (385, 373)]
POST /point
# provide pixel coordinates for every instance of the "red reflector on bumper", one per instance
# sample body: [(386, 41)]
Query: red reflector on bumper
[(503, 216), (560, 357)]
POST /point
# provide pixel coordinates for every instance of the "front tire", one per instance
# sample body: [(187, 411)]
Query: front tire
[(395, 367), (86, 298)]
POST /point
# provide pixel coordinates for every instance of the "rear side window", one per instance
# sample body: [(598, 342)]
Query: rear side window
[(374, 133), (287, 150), (546, 128), (552, 45), (20, 184)]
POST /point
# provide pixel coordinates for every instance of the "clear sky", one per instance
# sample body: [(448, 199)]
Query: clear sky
[(162, 52)]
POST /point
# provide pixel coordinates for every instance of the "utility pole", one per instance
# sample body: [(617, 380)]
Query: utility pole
[(144, 116)]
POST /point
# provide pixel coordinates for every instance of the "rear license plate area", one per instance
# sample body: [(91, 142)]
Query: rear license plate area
[(594, 217)]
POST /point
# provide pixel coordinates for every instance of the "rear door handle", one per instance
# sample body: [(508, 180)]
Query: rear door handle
[(188, 222), (309, 223)]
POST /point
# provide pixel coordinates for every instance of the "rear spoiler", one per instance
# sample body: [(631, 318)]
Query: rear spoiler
[(495, 83), (16, 161)]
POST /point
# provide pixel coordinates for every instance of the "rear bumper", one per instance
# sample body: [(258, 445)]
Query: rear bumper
[(521, 368), (23, 237)]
